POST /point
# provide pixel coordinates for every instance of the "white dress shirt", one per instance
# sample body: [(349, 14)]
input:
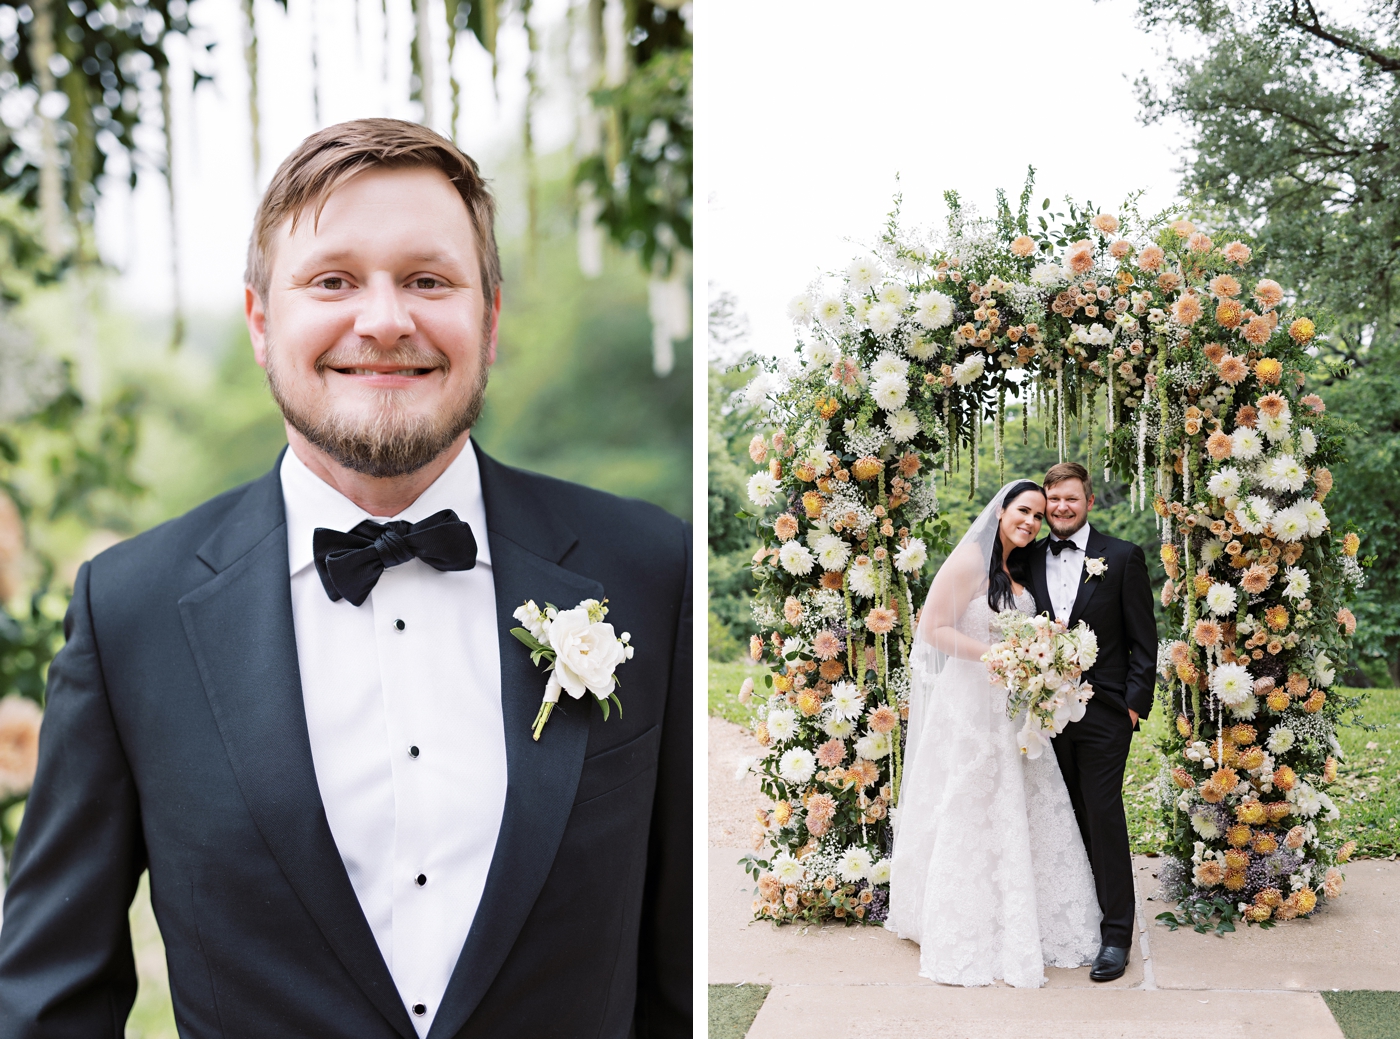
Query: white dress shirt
[(403, 706), (1064, 572)]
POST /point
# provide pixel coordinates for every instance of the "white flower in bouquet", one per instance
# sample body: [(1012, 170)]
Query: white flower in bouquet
[(966, 372), (782, 724), (1275, 427), (1323, 670), (883, 318), (934, 310), (1254, 514), (1205, 825), (862, 274), (1221, 598), (1225, 482), (1047, 275), (838, 727), (1232, 684), (1307, 441), (799, 309), (1284, 473), (889, 392), (860, 311), (861, 577), (1291, 523), (830, 311), (873, 746), (847, 701), (1315, 516), (888, 363), (911, 558), (903, 425), (832, 552), (787, 869), (880, 872), (1280, 740), (797, 765), (893, 293), (1296, 582), (796, 558), (854, 864), (1246, 444), (921, 347), (820, 354), (763, 489), (1032, 740)]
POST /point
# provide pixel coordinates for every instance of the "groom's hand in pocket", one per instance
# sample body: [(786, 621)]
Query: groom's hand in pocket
[(1134, 716)]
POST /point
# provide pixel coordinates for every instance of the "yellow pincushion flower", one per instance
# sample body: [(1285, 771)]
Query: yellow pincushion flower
[(1270, 896), (1276, 617), (1277, 700), (1264, 843), (1202, 584), (1351, 543), (1307, 901), (1187, 673), (1252, 812), (760, 733), (809, 703), (1236, 861), (1169, 554), (1237, 836), (1182, 725)]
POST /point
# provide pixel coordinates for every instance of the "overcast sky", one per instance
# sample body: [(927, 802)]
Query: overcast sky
[(809, 108)]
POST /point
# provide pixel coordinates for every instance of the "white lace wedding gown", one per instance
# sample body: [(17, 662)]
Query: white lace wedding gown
[(989, 873)]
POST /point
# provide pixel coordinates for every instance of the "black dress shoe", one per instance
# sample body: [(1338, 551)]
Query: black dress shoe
[(1110, 963)]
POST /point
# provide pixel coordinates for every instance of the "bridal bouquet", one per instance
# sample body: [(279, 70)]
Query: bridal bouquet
[(1039, 664)]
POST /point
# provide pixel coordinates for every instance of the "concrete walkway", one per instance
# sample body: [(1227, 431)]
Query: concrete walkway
[(838, 981)]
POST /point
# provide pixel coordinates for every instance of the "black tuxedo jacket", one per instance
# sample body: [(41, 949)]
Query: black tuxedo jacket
[(1118, 606), (175, 740)]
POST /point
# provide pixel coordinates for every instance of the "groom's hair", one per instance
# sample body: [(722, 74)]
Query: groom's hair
[(330, 157), (1069, 471)]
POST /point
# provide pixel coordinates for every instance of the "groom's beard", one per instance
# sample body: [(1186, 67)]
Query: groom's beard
[(393, 440), (1065, 532)]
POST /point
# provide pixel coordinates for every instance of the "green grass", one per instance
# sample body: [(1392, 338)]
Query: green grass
[(725, 680), (151, 1016), (1367, 790), (1363, 1014), (733, 1008), (1146, 834)]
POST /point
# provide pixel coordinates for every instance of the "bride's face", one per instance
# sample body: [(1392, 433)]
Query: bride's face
[(1021, 520)]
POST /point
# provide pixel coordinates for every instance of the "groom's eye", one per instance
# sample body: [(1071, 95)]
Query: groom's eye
[(333, 284), (426, 282)]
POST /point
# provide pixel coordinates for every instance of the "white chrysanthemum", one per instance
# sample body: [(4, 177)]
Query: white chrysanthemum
[(830, 310), (797, 765), (787, 869), (1280, 740), (902, 424), (838, 727), (861, 578), (760, 388), (880, 872), (800, 309), (873, 746), (820, 354), (763, 489), (934, 310), (1232, 684), (1307, 441), (1211, 553), (1305, 800), (921, 347), (969, 371), (862, 274), (1254, 514), (1225, 482), (1323, 670), (889, 392), (1291, 523), (854, 864), (1047, 275), (796, 558), (1246, 443), (883, 318), (1284, 473), (782, 724), (832, 552), (1296, 582), (888, 363), (911, 558), (894, 293), (1275, 427), (1247, 710), (1205, 825), (1316, 517), (1221, 599), (847, 701)]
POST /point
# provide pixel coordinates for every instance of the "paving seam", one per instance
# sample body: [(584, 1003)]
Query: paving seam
[(1149, 977), (1008, 988)]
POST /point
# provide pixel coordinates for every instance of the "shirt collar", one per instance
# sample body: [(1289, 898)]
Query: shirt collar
[(312, 503), (1080, 538)]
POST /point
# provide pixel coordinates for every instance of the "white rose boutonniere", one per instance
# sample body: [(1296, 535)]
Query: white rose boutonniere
[(581, 649), (1095, 568)]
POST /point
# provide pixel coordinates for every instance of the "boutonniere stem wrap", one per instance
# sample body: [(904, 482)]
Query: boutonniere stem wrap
[(1095, 568), (582, 651)]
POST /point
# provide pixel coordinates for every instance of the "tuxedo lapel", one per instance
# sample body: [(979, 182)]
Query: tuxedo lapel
[(527, 542), (1039, 588), (1093, 548), (240, 630)]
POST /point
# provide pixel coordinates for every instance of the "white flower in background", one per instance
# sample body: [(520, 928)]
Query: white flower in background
[(969, 371), (861, 577), (1284, 473), (782, 724), (832, 552), (1291, 523), (888, 364), (1307, 441), (921, 347), (1205, 825), (838, 727), (1221, 599), (1225, 482), (763, 489), (880, 872), (1095, 335), (800, 309), (860, 311), (1211, 553), (1275, 427), (1297, 582), (889, 392), (830, 310), (1280, 740), (883, 318), (796, 558), (911, 558), (820, 354), (1254, 514), (1323, 670), (862, 274), (1316, 517), (847, 701), (1047, 275), (1246, 444), (1329, 810), (854, 864), (895, 294), (1247, 710), (1232, 684), (934, 310), (787, 869), (797, 765), (873, 746), (1305, 800), (902, 424)]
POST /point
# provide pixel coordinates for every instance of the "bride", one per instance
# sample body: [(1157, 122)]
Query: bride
[(989, 872)]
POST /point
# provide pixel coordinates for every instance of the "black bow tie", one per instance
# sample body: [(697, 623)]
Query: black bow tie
[(350, 562), (1059, 546)]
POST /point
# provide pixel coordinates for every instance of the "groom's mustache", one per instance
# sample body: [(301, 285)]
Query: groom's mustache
[(402, 355)]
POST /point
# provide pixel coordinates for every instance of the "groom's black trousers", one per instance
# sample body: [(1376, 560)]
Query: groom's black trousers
[(1093, 753)]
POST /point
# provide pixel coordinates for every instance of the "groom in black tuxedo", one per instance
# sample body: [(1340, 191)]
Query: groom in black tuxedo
[(1078, 574), (301, 708)]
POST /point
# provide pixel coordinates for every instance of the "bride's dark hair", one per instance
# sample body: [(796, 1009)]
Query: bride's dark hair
[(1001, 595)]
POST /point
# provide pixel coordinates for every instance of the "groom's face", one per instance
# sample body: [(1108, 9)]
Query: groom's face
[(375, 333), (1067, 507)]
